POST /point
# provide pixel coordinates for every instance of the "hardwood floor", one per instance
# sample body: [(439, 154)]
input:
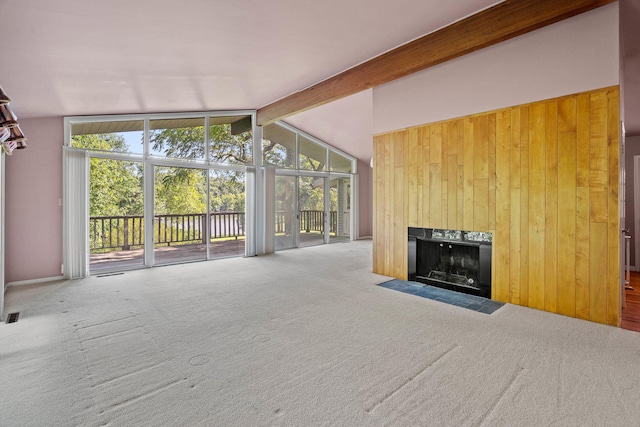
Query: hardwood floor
[(631, 311)]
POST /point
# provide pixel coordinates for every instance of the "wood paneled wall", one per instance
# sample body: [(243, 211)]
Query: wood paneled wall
[(542, 177)]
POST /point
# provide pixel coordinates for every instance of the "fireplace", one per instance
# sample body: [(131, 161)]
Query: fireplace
[(451, 259)]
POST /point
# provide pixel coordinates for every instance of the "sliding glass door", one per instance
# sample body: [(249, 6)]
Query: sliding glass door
[(227, 217), (170, 188), (286, 227), (311, 210), (116, 209), (340, 210), (180, 211)]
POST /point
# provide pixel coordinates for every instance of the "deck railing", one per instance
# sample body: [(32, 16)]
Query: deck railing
[(110, 233)]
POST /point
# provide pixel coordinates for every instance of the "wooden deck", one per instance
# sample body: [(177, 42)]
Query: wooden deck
[(132, 259), (124, 260), (631, 311)]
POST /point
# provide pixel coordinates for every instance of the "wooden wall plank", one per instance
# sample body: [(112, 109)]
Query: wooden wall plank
[(481, 205), (459, 132), (481, 147), (389, 166), (567, 158), (502, 241), (419, 205), (537, 116), (412, 176), (598, 157), (567, 116), (452, 192), (444, 174), (515, 249), (548, 165), (515, 245), (426, 186), (551, 209), (435, 143), (598, 271), (468, 174), (614, 229), (435, 197), (378, 203), (584, 131), (460, 173), (492, 171), (444, 148), (399, 259), (583, 262), (524, 205)]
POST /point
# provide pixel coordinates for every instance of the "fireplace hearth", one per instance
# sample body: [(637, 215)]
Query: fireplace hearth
[(451, 259)]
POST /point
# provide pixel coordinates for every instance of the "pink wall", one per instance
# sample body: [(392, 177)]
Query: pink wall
[(33, 227), (571, 56)]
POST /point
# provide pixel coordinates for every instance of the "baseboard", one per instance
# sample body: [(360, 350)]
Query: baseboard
[(34, 281)]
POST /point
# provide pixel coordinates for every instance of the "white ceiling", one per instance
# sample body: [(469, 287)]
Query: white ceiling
[(81, 57)]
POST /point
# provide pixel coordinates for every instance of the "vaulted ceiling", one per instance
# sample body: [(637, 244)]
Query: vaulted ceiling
[(78, 57)]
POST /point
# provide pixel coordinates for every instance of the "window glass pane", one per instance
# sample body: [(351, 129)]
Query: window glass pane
[(227, 218), (286, 226), (122, 137), (178, 138), (231, 140), (340, 163), (179, 228), (279, 146), (312, 156), (311, 210), (340, 217), (116, 223)]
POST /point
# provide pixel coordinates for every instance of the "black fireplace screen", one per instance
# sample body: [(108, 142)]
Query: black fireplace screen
[(451, 259)]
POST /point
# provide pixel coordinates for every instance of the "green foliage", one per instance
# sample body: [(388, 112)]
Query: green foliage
[(188, 143), (184, 143), (180, 191), (311, 192), (227, 191), (103, 141), (115, 185), (228, 148)]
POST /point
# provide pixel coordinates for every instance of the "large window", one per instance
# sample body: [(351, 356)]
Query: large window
[(312, 188), (166, 188)]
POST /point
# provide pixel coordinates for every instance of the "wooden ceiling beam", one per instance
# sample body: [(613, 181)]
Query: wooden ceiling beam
[(494, 25)]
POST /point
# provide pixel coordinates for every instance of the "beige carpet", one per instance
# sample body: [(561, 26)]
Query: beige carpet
[(300, 338)]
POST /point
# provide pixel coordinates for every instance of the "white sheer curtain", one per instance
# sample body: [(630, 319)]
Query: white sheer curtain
[(269, 209), (76, 213), (250, 211)]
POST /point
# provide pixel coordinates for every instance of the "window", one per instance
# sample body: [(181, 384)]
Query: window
[(165, 188), (114, 136), (279, 146), (178, 138)]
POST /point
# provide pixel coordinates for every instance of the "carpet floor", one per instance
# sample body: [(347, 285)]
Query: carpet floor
[(300, 338)]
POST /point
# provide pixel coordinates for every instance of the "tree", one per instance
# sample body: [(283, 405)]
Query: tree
[(227, 187), (188, 143), (180, 191), (115, 185)]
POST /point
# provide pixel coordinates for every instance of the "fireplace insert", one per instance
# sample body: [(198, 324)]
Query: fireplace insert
[(451, 259)]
